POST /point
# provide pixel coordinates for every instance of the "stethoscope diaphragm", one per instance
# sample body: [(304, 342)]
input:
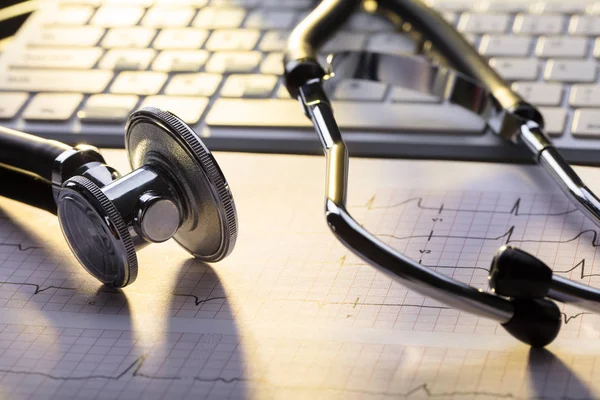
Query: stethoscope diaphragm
[(176, 189)]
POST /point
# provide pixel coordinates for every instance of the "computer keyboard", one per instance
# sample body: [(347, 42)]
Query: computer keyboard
[(77, 69)]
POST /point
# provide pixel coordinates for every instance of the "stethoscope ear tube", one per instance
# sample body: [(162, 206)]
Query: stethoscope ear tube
[(27, 188), (300, 58), (29, 153), (524, 286), (452, 45), (533, 321)]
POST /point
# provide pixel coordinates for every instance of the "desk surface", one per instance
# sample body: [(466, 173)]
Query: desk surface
[(291, 313)]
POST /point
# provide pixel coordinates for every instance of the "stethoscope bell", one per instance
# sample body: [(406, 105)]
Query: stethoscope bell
[(176, 189)]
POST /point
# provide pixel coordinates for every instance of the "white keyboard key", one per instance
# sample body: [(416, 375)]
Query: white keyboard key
[(471, 38), (200, 84), (391, 43), (504, 6), (236, 3), (57, 58), (141, 3), (369, 23), (180, 60), (593, 9), (191, 3), (271, 19), (560, 7), (52, 106), (350, 89), (128, 37), (292, 4), (346, 41), (540, 93), (117, 16), (142, 83), (166, 17), (272, 64), (584, 25), (570, 71), (483, 23), (395, 117), (31, 80), (525, 69), (181, 38), (505, 45), (554, 120), (452, 5), (60, 36), (561, 46), (585, 95), (70, 15), (11, 103), (586, 123), (596, 51), (450, 17), (219, 18), (108, 108), (533, 24), (233, 39), (402, 95), (95, 3), (282, 92), (234, 61), (127, 59), (274, 41), (249, 86), (189, 109)]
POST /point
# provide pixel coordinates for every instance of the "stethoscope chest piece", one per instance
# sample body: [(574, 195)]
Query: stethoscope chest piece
[(208, 226), (176, 189)]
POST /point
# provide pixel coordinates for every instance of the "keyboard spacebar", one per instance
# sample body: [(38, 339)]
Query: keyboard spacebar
[(277, 113)]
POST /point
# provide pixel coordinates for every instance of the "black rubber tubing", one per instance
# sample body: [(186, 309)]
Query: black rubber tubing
[(29, 153), (27, 188)]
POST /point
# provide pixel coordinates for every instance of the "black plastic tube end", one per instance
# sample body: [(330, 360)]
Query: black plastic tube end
[(535, 322), (517, 274), (298, 72)]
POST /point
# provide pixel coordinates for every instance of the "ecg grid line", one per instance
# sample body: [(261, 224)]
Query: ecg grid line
[(454, 233)]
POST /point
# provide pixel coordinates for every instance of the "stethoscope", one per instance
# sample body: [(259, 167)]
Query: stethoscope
[(176, 190), (522, 286)]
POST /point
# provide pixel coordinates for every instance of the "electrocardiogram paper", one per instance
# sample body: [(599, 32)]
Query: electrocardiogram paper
[(291, 313)]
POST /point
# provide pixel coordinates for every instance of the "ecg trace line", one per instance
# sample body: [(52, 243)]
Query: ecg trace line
[(582, 274), (423, 388), (20, 246), (199, 301), (136, 366), (508, 235), (515, 209), (38, 289)]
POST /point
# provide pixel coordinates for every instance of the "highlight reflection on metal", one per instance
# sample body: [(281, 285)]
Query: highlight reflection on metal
[(452, 87), (419, 75)]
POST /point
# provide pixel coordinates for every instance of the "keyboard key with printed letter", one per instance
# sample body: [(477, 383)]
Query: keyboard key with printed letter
[(108, 108), (34, 80), (189, 109), (586, 123), (11, 103), (52, 106)]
